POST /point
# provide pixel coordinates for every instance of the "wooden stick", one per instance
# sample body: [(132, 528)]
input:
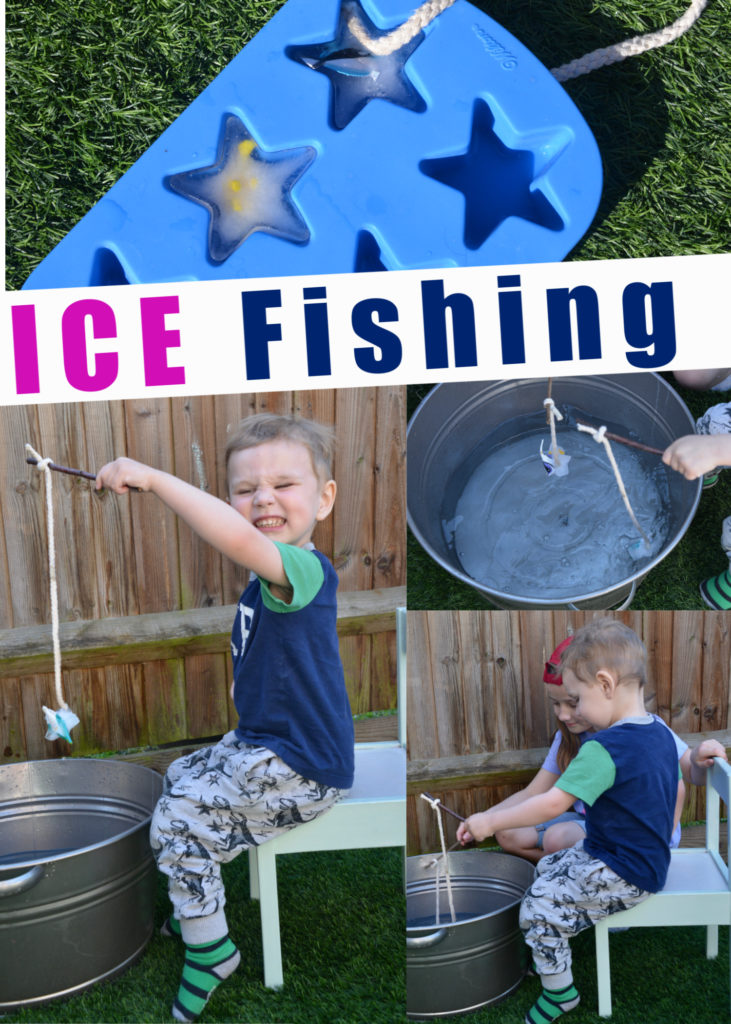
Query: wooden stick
[(453, 813), (65, 469), (627, 440), (72, 472)]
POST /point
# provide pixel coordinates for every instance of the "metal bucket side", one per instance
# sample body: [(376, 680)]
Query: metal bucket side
[(72, 919), (479, 960), (453, 420)]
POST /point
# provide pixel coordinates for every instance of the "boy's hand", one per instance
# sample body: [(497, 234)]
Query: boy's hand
[(696, 454), (123, 475), (477, 827), (703, 754)]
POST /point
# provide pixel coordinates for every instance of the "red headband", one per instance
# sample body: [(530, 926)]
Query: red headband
[(550, 675)]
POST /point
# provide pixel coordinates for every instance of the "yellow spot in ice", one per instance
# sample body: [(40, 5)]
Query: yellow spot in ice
[(247, 147), (253, 182), (235, 185), (237, 205)]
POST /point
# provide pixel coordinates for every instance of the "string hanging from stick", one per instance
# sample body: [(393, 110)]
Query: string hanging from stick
[(59, 722), (555, 460), (434, 803), (599, 435)]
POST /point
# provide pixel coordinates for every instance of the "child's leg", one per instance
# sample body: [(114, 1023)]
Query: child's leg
[(523, 842), (216, 803), (571, 891), (561, 836)]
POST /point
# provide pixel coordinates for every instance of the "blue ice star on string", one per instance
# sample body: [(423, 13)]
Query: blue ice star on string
[(356, 75), (495, 180), (246, 190)]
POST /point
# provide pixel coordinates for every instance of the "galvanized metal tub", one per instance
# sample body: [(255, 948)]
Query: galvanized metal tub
[(456, 418), (77, 876), (480, 959)]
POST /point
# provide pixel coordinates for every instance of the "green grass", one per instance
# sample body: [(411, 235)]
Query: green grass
[(342, 917), (672, 584), (658, 975)]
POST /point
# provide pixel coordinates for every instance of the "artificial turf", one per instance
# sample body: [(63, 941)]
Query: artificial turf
[(341, 917)]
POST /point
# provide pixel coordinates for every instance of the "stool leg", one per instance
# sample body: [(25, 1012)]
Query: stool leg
[(253, 873), (603, 978), (269, 908)]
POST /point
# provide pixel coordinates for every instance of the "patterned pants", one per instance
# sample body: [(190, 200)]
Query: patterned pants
[(217, 802), (571, 891)]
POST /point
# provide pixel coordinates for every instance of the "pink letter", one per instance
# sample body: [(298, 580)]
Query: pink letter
[(73, 330), (25, 346), (156, 340)]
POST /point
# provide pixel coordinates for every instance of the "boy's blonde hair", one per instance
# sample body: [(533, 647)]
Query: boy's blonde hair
[(606, 644), (318, 439)]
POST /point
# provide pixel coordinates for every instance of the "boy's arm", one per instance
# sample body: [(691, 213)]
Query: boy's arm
[(694, 762), (540, 783), (679, 804), (212, 519), (532, 811), (696, 454)]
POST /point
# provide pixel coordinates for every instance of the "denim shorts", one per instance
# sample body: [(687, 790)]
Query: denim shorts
[(580, 819)]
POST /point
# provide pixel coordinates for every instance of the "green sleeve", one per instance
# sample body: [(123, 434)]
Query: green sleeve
[(590, 773), (305, 574)]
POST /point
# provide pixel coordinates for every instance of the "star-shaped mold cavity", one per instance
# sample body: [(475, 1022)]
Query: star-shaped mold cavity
[(356, 75), (246, 190), (495, 181)]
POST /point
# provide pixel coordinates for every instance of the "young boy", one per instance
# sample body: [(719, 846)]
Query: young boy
[(627, 777), (291, 755), (700, 454)]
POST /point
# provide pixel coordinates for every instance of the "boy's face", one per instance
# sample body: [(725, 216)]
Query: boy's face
[(565, 709), (591, 702), (275, 487)]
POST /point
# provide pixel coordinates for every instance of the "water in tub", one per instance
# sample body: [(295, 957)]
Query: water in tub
[(519, 530)]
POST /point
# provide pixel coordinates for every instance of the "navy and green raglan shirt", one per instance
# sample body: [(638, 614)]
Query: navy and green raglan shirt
[(289, 686), (627, 775)]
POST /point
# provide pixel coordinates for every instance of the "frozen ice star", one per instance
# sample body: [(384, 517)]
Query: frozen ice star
[(356, 75), (246, 190)]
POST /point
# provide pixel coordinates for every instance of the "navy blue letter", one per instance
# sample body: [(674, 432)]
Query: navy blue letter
[(586, 304), (257, 332), (434, 306), (637, 330), (388, 342)]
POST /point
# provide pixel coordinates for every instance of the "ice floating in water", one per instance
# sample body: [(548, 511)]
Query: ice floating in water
[(524, 533), (357, 76), (59, 723), (555, 460), (246, 190)]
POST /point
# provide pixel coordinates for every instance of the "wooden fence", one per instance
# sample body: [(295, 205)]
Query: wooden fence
[(123, 558), (478, 719)]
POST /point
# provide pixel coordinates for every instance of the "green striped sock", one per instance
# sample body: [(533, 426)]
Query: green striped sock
[(716, 592), (171, 928), (551, 1004), (205, 968)]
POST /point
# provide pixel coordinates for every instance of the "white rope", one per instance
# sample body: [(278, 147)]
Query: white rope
[(429, 10), (434, 804), (599, 436), (553, 415), (402, 34), (630, 47), (44, 465)]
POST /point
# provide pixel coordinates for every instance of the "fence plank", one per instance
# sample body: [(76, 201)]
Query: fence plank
[(353, 513), (389, 482), (194, 440), (155, 531)]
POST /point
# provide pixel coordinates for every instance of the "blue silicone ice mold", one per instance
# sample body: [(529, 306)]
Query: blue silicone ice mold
[(306, 155)]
